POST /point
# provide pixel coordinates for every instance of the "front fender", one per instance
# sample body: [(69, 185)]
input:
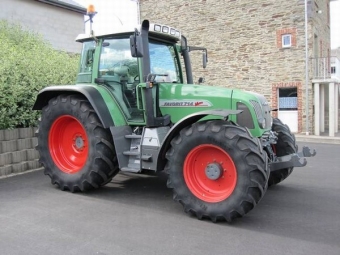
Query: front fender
[(184, 122), (99, 97)]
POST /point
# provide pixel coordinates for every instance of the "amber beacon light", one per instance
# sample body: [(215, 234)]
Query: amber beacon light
[(91, 10)]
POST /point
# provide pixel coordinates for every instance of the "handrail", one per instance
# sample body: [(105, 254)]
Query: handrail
[(325, 67)]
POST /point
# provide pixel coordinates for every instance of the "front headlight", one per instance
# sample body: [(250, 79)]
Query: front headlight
[(259, 113), (271, 121), (262, 123)]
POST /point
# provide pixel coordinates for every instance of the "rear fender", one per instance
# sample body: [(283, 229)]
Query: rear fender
[(99, 97), (187, 121)]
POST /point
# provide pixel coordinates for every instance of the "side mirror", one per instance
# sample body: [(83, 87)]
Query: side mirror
[(136, 45), (205, 59), (184, 43)]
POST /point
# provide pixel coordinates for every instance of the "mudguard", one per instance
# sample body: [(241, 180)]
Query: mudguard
[(186, 121), (99, 97)]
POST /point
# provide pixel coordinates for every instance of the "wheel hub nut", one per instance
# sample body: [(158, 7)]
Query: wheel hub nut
[(213, 171), (79, 143)]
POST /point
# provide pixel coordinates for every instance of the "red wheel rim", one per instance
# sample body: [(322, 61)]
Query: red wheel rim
[(195, 173), (68, 144)]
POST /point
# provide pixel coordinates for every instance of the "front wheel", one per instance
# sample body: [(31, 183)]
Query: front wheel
[(75, 150), (286, 144), (217, 170)]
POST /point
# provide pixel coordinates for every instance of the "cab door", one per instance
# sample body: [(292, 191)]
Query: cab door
[(121, 75)]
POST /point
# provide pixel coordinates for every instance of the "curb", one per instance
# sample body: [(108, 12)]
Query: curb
[(317, 139), (16, 174)]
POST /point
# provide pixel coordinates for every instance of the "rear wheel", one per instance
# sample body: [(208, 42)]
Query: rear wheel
[(286, 144), (217, 170), (75, 150)]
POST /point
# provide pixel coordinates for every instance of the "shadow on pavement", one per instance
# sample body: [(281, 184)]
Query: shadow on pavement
[(286, 210)]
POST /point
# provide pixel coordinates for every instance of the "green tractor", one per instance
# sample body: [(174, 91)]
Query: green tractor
[(132, 111)]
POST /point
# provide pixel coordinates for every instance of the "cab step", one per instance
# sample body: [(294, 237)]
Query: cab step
[(130, 169)]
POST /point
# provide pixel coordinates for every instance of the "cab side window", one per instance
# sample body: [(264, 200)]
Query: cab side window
[(87, 56), (163, 62)]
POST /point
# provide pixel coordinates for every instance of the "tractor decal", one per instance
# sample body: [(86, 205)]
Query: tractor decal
[(185, 103)]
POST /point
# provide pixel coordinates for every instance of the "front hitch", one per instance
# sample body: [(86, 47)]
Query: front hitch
[(306, 152), (292, 160)]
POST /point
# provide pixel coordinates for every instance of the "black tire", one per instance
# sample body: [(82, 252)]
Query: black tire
[(243, 156), (76, 151), (286, 144)]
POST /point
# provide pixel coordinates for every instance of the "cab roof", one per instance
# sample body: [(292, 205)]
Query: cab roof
[(155, 31)]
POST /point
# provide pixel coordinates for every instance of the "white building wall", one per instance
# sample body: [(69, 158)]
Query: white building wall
[(57, 25)]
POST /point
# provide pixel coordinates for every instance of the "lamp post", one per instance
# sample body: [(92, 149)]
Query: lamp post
[(307, 63)]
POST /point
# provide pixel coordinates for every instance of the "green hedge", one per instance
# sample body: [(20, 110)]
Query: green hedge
[(28, 64)]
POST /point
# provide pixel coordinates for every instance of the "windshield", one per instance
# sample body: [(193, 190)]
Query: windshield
[(116, 61), (163, 62)]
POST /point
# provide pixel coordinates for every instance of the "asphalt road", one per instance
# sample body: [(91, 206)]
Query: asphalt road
[(135, 214)]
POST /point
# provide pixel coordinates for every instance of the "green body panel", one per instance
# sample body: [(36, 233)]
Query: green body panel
[(180, 100), (84, 78), (99, 96), (246, 97), (115, 111)]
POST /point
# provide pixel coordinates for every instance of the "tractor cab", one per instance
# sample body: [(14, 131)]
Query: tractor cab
[(132, 64)]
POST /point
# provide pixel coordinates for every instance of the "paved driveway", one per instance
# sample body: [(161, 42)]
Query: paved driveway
[(135, 214)]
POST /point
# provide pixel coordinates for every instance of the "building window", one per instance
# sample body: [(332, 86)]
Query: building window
[(286, 38), (333, 69), (288, 99), (287, 96), (286, 41)]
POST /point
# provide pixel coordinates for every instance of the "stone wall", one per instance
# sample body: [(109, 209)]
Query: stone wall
[(58, 26), (321, 28), (17, 151), (244, 41)]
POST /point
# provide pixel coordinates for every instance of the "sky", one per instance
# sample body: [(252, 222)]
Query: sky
[(113, 15), (121, 15)]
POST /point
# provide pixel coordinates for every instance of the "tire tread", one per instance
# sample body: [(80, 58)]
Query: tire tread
[(248, 147), (100, 168)]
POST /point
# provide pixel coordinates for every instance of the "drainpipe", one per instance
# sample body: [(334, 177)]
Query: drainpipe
[(307, 64)]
